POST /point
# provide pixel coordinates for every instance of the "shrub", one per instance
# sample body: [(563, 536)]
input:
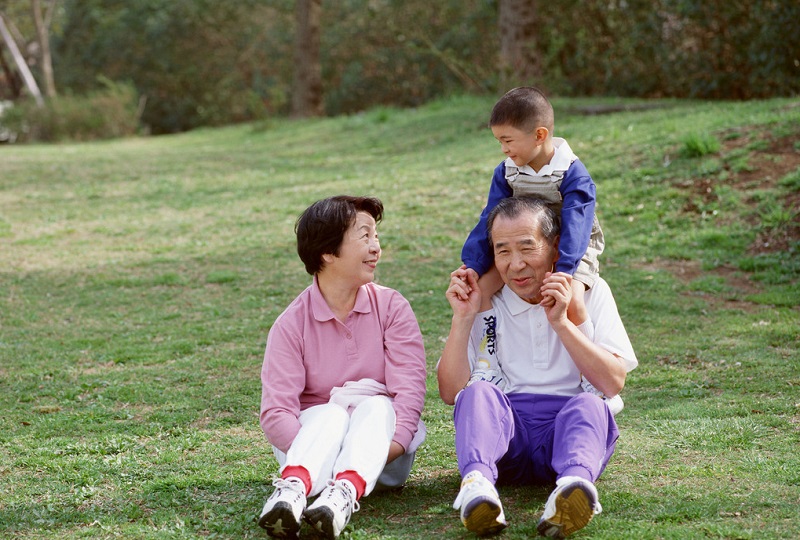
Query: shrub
[(104, 114), (791, 180), (698, 145)]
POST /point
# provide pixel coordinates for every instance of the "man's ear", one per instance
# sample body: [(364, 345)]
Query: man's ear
[(555, 249), (328, 258)]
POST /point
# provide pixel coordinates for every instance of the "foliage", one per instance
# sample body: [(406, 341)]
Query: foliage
[(406, 53), (208, 63), (205, 63), (106, 113), (197, 62), (690, 48), (139, 278)]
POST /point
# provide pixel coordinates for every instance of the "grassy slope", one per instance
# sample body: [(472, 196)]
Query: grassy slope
[(138, 280)]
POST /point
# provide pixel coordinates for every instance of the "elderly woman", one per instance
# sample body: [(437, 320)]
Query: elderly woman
[(343, 376)]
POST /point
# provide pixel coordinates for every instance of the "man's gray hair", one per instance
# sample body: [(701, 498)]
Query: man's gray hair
[(547, 218)]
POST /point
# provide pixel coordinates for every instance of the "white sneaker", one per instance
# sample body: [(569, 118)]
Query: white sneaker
[(332, 510), (615, 403), (493, 376), (284, 508), (570, 507), (481, 509)]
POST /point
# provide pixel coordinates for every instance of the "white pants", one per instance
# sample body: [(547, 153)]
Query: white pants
[(330, 441)]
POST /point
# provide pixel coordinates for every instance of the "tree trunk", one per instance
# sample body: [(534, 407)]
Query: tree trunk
[(11, 77), (307, 78), (43, 36), (519, 65), (27, 76)]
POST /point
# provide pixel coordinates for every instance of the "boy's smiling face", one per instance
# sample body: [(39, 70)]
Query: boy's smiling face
[(523, 147)]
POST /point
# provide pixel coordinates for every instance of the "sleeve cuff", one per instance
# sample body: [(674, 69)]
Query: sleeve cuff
[(587, 329)]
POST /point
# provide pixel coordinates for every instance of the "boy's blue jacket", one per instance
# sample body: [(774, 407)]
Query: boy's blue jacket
[(578, 194)]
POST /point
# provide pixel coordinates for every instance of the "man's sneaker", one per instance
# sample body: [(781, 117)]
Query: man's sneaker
[(615, 404), (332, 510), (284, 508), (481, 510), (570, 507)]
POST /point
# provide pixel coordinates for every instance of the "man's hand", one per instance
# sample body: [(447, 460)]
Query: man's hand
[(464, 296), (463, 293)]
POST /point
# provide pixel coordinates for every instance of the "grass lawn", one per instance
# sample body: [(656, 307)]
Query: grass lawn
[(139, 279)]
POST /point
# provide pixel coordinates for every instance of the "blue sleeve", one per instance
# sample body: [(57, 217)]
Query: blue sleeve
[(477, 253), (578, 192)]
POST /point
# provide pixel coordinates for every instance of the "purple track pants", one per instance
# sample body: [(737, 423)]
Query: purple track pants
[(532, 438)]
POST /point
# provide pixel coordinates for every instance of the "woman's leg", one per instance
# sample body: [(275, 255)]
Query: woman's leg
[(366, 444), (318, 443)]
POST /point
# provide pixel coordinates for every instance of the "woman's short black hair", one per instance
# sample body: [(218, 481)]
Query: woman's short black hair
[(320, 229)]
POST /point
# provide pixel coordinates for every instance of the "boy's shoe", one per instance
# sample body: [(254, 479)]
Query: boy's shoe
[(493, 376), (284, 508), (569, 508), (331, 511), (485, 371), (615, 403), (481, 509)]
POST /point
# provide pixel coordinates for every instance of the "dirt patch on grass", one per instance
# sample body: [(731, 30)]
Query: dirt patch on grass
[(688, 271), (754, 159)]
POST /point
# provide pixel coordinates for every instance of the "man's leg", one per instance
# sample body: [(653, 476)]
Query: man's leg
[(584, 440), (484, 423)]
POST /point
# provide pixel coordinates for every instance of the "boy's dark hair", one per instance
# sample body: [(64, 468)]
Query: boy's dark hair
[(320, 229), (548, 220), (525, 108)]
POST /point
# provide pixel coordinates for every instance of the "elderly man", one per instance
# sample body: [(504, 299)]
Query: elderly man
[(512, 366)]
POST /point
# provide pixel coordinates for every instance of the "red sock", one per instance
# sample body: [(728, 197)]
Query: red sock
[(354, 478), (298, 471)]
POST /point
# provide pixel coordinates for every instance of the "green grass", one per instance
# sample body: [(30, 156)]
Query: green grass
[(139, 279)]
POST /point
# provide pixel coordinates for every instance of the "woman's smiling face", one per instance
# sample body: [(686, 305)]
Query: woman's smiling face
[(359, 252)]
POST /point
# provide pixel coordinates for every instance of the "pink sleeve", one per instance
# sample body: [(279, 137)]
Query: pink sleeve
[(283, 380), (406, 369)]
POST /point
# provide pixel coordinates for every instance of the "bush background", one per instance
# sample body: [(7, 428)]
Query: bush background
[(204, 62)]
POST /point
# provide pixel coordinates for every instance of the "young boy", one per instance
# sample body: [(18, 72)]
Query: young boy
[(540, 164)]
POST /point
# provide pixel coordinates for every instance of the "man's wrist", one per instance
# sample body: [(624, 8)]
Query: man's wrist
[(562, 324)]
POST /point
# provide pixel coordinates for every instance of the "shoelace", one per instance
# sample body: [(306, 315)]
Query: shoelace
[(345, 496), (295, 486)]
